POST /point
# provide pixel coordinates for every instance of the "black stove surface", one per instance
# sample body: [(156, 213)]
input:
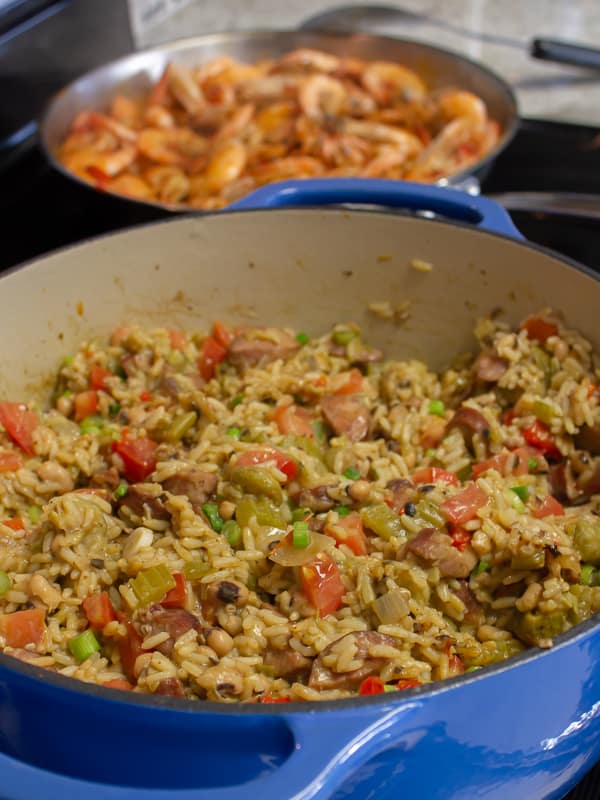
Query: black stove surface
[(41, 211)]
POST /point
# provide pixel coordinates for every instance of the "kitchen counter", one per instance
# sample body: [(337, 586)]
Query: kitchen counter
[(488, 31)]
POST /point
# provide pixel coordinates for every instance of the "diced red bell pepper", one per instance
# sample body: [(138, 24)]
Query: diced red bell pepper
[(538, 436), (99, 610), (284, 463), (549, 507), (85, 404), (539, 328), (407, 683), (464, 506), (294, 420), (460, 538), (130, 647), (20, 424), (175, 597), (15, 523), (322, 584), (212, 353), (267, 698), (98, 376), (139, 457), (10, 462), (145, 396), (349, 530), (371, 685), (23, 627), (433, 474), (222, 334)]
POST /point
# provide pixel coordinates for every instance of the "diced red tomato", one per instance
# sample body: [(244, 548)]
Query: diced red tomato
[(351, 385), (85, 404), (433, 474), (349, 530), (294, 420), (539, 329), (20, 424), (267, 698), (497, 462), (455, 665), (119, 683), (523, 457), (371, 685), (98, 376), (538, 436), (23, 627), (592, 389), (99, 610), (145, 396), (15, 524), (175, 597), (139, 457), (119, 334), (460, 538), (507, 417), (520, 462), (464, 506), (130, 647), (283, 463), (212, 353), (549, 507), (10, 462), (320, 381), (222, 334), (322, 584), (407, 683), (178, 340)]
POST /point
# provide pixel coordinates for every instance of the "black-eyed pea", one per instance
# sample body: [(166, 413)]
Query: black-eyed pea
[(220, 641)]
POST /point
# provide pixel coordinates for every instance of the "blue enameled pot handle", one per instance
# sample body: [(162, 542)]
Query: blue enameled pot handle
[(328, 748), (451, 203)]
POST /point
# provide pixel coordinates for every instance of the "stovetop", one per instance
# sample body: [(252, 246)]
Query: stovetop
[(41, 211)]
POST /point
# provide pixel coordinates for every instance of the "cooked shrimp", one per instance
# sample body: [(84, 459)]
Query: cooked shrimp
[(170, 184), (270, 88), (225, 166), (387, 159), (321, 96), (377, 132), (159, 117), (170, 146), (107, 163), (462, 105), (388, 82), (182, 85), (237, 123), (92, 120), (126, 111), (131, 186), (286, 168), (307, 60)]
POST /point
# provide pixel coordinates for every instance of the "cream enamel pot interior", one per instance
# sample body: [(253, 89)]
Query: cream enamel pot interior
[(526, 728)]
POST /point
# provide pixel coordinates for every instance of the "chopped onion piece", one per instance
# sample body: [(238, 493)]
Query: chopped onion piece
[(392, 606), (287, 555)]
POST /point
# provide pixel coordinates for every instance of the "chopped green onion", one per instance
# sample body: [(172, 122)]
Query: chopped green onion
[(120, 491), (319, 430), (232, 532), (34, 513), (437, 408), (483, 566), (301, 535), (352, 474), (5, 583), (114, 408), (532, 463), (474, 668), (588, 575), (516, 502), (521, 492), (66, 393), (234, 432), (84, 645), (300, 514), (342, 511), (344, 336), (151, 584), (211, 511), (194, 570), (93, 424), (237, 400), (68, 360), (302, 338), (388, 688), (430, 453)]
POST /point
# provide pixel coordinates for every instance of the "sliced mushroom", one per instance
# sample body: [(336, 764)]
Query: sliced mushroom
[(253, 345), (324, 677), (195, 484), (347, 415), (436, 548)]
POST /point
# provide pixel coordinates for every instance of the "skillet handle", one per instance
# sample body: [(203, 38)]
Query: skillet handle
[(328, 748), (451, 203), (576, 55)]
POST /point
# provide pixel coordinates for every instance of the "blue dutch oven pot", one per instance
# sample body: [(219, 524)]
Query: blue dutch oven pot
[(527, 728)]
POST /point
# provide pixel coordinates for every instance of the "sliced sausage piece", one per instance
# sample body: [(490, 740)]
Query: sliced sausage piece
[(195, 484), (106, 479), (469, 422), (589, 486), (403, 492), (473, 611), (324, 677), (317, 499), (588, 439), (174, 621), (557, 481), (436, 548), (288, 664), (170, 687), (143, 503), (489, 366), (347, 415), (252, 345)]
